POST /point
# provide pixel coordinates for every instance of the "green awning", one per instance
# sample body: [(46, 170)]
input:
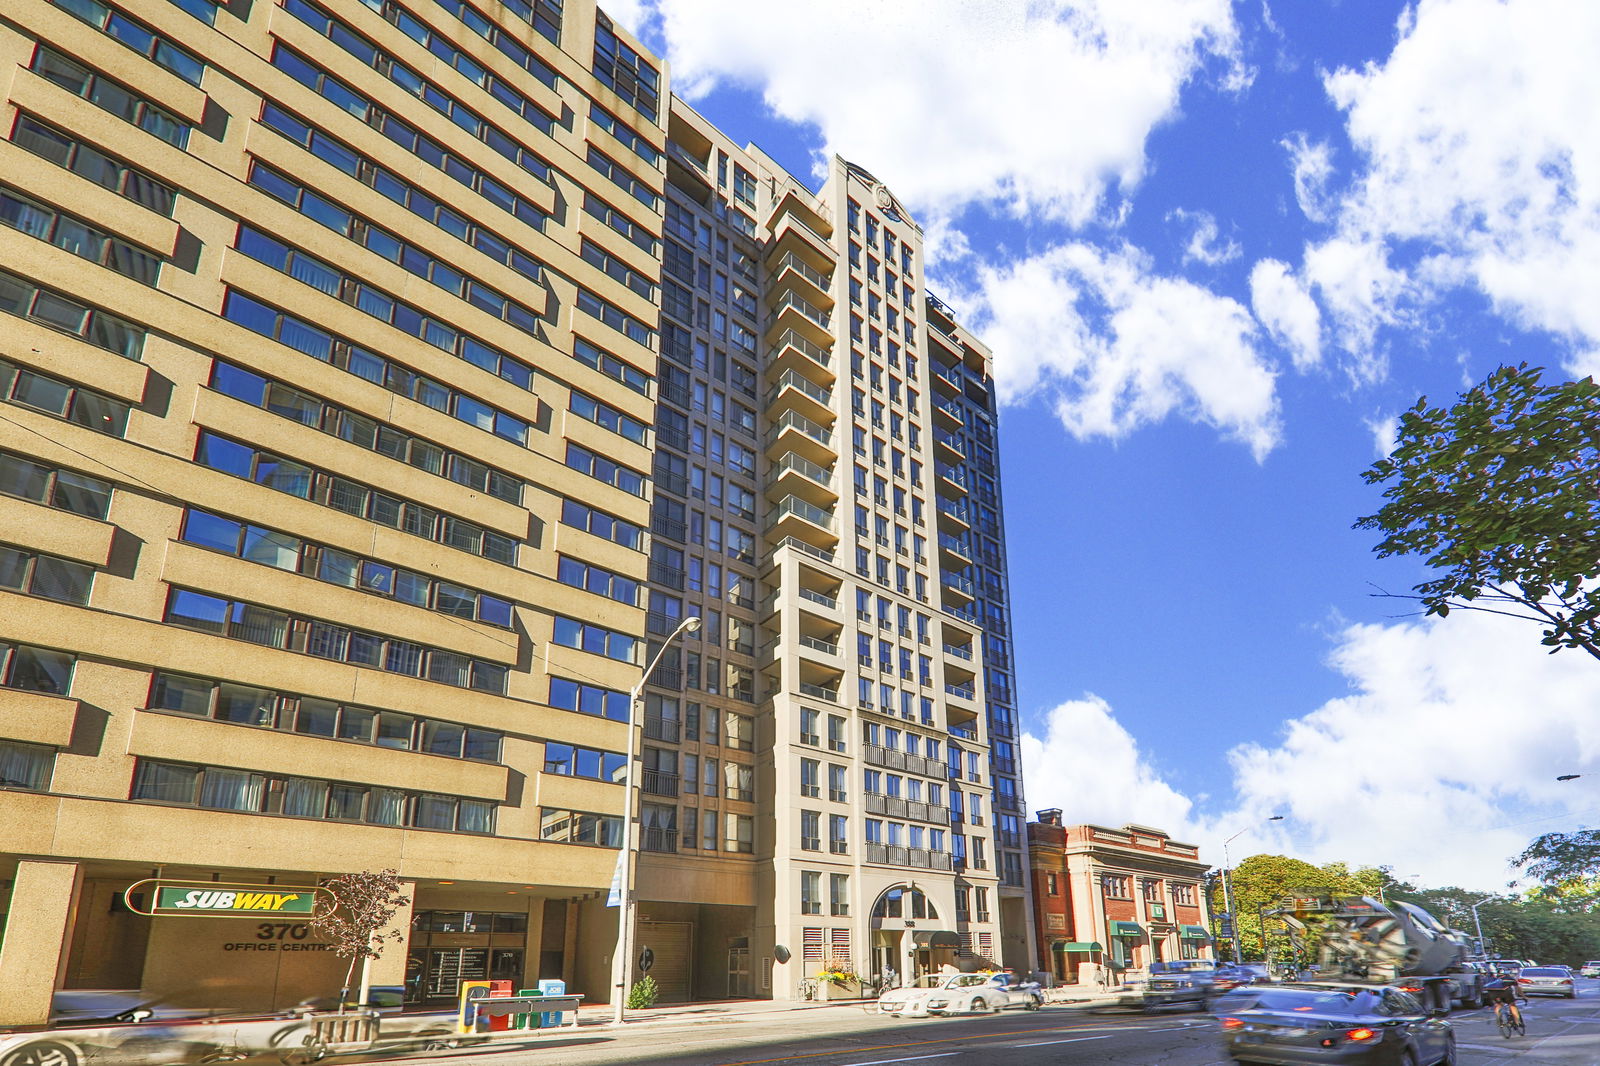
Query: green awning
[(1077, 945), (1193, 932), (1126, 929)]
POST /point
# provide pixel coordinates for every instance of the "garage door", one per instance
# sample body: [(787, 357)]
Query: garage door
[(670, 942)]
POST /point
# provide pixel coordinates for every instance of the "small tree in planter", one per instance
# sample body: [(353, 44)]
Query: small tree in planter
[(643, 993), (352, 913)]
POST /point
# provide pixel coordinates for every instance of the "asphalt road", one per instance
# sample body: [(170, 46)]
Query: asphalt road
[(1560, 1033)]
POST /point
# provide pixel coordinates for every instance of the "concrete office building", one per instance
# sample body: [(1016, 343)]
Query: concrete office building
[(342, 492)]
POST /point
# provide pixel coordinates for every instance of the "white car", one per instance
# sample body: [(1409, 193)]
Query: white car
[(1590, 969), (959, 993)]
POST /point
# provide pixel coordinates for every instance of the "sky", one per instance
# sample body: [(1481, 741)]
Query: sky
[(1217, 249)]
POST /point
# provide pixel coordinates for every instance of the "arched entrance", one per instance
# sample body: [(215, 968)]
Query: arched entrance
[(907, 935)]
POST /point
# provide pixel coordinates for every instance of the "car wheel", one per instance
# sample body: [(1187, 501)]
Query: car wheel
[(1449, 1054), (43, 1053)]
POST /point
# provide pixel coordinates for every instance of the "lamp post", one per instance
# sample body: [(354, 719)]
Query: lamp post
[(1477, 923), (620, 965), (1227, 887)]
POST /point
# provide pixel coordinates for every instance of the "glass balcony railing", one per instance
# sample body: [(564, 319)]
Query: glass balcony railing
[(958, 651), (819, 598), (802, 546), (804, 467), (790, 261), (793, 505), (815, 352), (790, 420), (790, 380), (793, 301), (818, 692)]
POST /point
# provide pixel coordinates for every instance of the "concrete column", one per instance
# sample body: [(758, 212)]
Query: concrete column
[(35, 939), (390, 967)]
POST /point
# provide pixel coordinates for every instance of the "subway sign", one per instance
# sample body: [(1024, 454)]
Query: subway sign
[(205, 899)]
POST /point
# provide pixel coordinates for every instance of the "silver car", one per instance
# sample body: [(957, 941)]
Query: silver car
[(1547, 981)]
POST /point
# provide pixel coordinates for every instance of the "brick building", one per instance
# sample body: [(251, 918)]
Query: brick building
[(1121, 897)]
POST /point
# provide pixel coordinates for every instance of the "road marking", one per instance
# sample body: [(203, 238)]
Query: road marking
[(1071, 1040), (920, 1043), (914, 1058)]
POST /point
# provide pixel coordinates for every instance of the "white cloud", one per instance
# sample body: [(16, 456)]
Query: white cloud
[(1441, 760), (1091, 767), (1312, 165), (1115, 346), (1443, 757), (1480, 150), (1206, 243), (1362, 292), (1385, 432), (1281, 304), (1034, 108)]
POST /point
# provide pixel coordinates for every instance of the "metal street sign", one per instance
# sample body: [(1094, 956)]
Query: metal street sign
[(647, 959), (211, 899)]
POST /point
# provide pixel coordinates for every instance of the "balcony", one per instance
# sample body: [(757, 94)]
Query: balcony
[(957, 587), (818, 598), (794, 517), (818, 692), (797, 392), (659, 840), (801, 546), (956, 512), (961, 692), (817, 644), (659, 728), (791, 269), (790, 234), (793, 352), (951, 410), (793, 198), (796, 475), (670, 528), (951, 443), (660, 783), (916, 858), (959, 651), (795, 432), (957, 548), (791, 311)]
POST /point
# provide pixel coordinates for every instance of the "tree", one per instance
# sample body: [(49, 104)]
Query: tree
[(1262, 882), (1498, 493), (1558, 859), (354, 912)]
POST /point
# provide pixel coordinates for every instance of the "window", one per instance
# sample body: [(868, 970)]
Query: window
[(569, 761), (740, 833), (219, 788), (1051, 888), (597, 579), (835, 733), (624, 70), (137, 36), (87, 161), (47, 576), (604, 470), (589, 354), (26, 766), (67, 315), (31, 669), (838, 829), (808, 727), (1116, 886), (1150, 889), (839, 895), (607, 527), (1183, 894), (810, 892), (810, 831), (630, 139), (81, 239), (836, 784), (809, 769), (580, 827), (586, 698), (61, 489), (597, 640)]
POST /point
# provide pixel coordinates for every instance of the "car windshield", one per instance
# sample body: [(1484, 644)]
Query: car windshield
[(1544, 971), (1314, 1001)]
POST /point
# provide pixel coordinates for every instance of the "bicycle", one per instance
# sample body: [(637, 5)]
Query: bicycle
[(1508, 1016)]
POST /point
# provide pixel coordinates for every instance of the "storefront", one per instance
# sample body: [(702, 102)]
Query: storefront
[(448, 947), (1126, 940), (1067, 957)]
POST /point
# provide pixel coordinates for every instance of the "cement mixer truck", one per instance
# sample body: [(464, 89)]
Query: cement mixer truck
[(1357, 938)]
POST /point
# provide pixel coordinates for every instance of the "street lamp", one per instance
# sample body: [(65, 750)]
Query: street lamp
[(620, 964), (1478, 924), (1227, 886)]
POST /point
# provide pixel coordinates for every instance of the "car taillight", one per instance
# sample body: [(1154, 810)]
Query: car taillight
[(1524, 980), (1411, 988), (1233, 1023), (1360, 1034)]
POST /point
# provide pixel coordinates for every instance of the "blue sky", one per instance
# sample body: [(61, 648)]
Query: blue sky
[(1217, 249)]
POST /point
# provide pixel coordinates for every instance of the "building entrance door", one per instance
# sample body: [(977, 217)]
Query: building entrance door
[(739, 968)]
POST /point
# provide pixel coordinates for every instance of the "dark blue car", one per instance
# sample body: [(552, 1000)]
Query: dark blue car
[(1296, 1024)]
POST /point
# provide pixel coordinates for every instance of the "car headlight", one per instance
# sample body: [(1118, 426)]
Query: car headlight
[(937, 1002)]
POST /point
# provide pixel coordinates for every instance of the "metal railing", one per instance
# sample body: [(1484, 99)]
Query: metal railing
[(810, 349), (818, 692), (818, 598), (800, 383), (804, 467), (660, 783), (792, 300), (819, 645), (958, 651), (659, 728), (794, 505), (790, 261), (800, 545)]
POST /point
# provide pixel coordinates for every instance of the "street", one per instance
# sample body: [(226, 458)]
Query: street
[(1560, 1033)]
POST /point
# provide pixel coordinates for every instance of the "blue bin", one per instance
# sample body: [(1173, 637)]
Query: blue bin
[(550, 1018)]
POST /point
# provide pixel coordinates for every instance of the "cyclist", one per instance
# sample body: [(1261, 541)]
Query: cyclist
[(1501, 990)]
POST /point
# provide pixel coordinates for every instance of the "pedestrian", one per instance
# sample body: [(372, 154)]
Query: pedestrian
[(890, 978)]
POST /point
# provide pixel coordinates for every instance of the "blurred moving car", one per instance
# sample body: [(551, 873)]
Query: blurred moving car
[(1329, 1022), (1590, 969), (958, 993), (1179, 981), (1547, 981)]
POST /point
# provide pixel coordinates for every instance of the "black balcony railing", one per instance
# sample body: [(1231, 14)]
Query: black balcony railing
[(658, 783), (664, 840)]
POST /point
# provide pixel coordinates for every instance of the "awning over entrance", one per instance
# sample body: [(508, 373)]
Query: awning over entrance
[(1126, 929), (1077, 945), (935, 938), (1193, 932)]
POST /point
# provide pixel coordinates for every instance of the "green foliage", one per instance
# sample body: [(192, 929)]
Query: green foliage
[(353, 912), (1563, 858), (1262, 882), (643, 993), (1498, 493)]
